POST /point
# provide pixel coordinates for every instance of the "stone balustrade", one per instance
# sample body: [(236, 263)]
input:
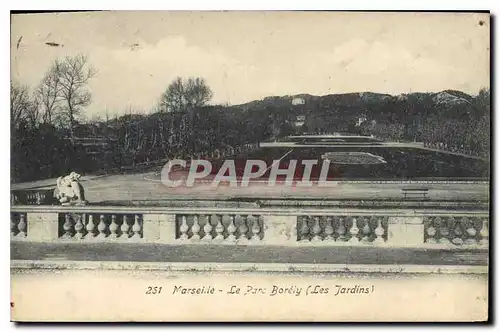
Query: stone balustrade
[(458, 231), (224, 228), (310, 226), (88, 226), (343, 229)]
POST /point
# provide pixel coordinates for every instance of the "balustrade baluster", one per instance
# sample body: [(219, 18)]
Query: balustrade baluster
[(444, 231), (255, 229), (379, 231), (484, 232), (431, 231), (329, 228), (124, 228), (67, 226), (243, 229), (354, 230), (90, 227), (457, 232), (79, 226), (231, 229), (341, 230), (136, 228), (304, 229), (195, 228), (101, 227), (316, 230), (22, 225), (366, 230), (470, 230), (208, 229), (113, 227), (219, 229), (184, 228)]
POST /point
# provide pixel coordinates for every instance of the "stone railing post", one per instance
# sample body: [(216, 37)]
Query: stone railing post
[(150, 227), (160, 228), (405, 231), (167, 228), (280, 230), (43, 226)]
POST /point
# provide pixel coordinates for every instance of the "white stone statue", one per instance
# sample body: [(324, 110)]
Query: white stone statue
[(69, 190)]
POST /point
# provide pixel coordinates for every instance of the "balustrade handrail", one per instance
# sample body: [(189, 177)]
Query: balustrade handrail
[(285, 211)]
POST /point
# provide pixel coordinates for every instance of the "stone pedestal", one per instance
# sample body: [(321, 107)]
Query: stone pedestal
[(150, 227), (43, 226), (159, 228), (280, 230), (405, 231), (166, 228)]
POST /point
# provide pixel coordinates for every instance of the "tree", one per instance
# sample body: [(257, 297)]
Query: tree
[(198, 94), (132, 137), (23, 106), (19, 102), (483, 99), (73, 75), (182, 96), (482, 130), (173, 99), (49, 94), (33, 117)]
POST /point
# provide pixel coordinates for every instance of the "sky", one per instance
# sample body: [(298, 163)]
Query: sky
[(245, 56)]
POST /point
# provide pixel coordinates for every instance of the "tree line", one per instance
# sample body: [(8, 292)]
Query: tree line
[(47, 130), (48, 136), (462, 127)]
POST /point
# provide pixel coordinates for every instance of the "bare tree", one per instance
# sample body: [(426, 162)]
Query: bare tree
[(197, 92), (19, 102), (73, 74), (132, 139), (33, 115), (173, 99), (23, 106), (49, 94), (182, 96)]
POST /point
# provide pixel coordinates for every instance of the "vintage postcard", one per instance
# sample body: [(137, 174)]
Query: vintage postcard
[(204, 166)]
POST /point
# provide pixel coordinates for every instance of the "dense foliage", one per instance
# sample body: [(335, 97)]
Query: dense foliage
[(42, 147)]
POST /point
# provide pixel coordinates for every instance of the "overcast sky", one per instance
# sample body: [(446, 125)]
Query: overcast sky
[(247, 56)]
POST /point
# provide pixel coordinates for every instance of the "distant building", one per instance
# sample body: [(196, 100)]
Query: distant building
[(298, 101), (299, 121)]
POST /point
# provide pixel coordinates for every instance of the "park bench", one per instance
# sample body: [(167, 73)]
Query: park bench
[(415, 193)]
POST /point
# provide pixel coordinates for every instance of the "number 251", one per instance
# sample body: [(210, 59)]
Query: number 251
[(153, 290)]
